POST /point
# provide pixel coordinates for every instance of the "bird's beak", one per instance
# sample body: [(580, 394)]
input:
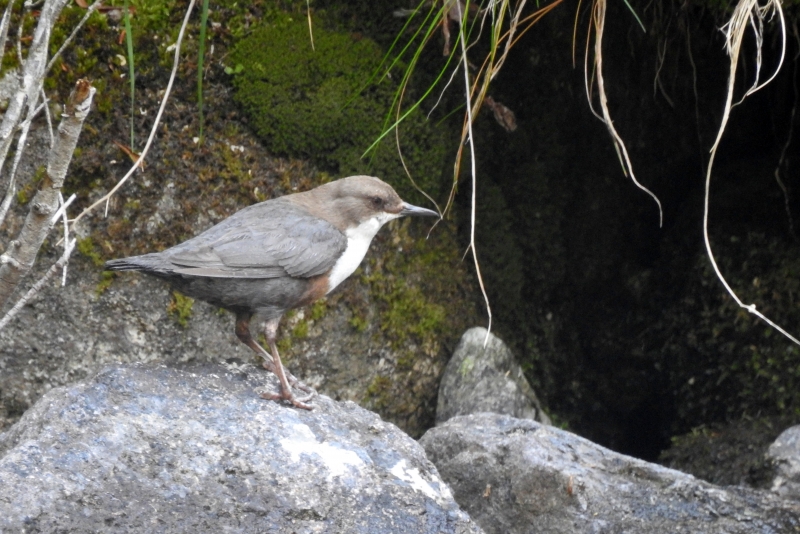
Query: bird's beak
[(409, 209)]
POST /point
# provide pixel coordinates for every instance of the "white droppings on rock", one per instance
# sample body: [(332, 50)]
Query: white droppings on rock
[(337, 461), (413, 478)]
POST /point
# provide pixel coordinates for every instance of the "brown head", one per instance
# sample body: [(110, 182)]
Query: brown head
[(350, 202)]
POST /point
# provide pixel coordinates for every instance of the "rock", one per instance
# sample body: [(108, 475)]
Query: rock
[(76, 332), (150, 448), (485, 379), (516, 475), (728, 453), (785, 454)]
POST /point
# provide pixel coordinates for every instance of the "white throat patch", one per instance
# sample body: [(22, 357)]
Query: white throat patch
[(358, 241)]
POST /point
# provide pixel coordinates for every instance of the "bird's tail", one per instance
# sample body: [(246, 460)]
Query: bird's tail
[(150, 263)]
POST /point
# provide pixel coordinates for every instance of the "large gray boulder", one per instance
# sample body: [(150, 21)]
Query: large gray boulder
[(785, 455), (483, 376), (147, 448), (518, 476)]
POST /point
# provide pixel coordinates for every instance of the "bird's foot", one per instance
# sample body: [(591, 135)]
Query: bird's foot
[(293, 380), (289, 396)]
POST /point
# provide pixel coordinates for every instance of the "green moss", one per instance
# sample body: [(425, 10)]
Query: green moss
[(411, 311), (466, 367), (180, 308), (320, 104), (419, 292), (284, 344), (358, 322), (300, 331), (88, 248), (318, 309), (233, 166), (378, 394), (87, 57), (106, 278), (26, 193)]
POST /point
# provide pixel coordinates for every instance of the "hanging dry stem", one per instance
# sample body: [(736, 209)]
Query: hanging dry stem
[(747, 12), (598, 20)]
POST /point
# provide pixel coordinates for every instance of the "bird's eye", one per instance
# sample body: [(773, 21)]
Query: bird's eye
[(377, 202)]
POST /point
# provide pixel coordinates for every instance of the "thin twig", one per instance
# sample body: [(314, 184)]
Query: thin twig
[(46, 107), (62, 208), (662, 56), (509, 38), (403, 160), (92, 8), (65, 223), (25, 7), (588, 83)]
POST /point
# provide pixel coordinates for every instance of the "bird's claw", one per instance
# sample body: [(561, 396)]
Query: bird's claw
[(293, 380), (288, 396), (296, 383)]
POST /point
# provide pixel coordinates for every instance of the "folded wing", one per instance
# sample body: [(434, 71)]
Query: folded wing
[(266, 240)]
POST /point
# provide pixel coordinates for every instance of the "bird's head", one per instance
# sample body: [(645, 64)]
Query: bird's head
[(362, 200)]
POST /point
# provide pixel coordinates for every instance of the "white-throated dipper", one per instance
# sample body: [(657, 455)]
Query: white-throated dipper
[(278, 255)]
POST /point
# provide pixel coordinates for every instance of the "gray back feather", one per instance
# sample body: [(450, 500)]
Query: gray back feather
[(267, 240)]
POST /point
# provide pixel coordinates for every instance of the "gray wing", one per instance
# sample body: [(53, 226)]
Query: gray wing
[(267, 240)]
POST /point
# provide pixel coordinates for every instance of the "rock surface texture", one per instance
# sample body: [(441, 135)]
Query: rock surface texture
[(147, 448), (486, 379), (518, 476), (785, 454)]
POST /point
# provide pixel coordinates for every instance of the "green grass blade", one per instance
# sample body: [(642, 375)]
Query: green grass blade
[(131, 69), (635, 16)]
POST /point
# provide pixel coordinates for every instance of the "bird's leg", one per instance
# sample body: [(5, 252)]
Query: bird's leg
[(271, 332), (271, 363), (244, 335)]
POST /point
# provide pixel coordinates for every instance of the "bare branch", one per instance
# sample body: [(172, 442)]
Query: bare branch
[(4, 25), (33, 71), (60, 264), (62, 212), (21, 253)]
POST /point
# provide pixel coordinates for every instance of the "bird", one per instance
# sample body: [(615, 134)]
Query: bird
[(278, 255)]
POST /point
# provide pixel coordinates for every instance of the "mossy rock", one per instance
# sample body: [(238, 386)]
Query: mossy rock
[(328, 104)]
